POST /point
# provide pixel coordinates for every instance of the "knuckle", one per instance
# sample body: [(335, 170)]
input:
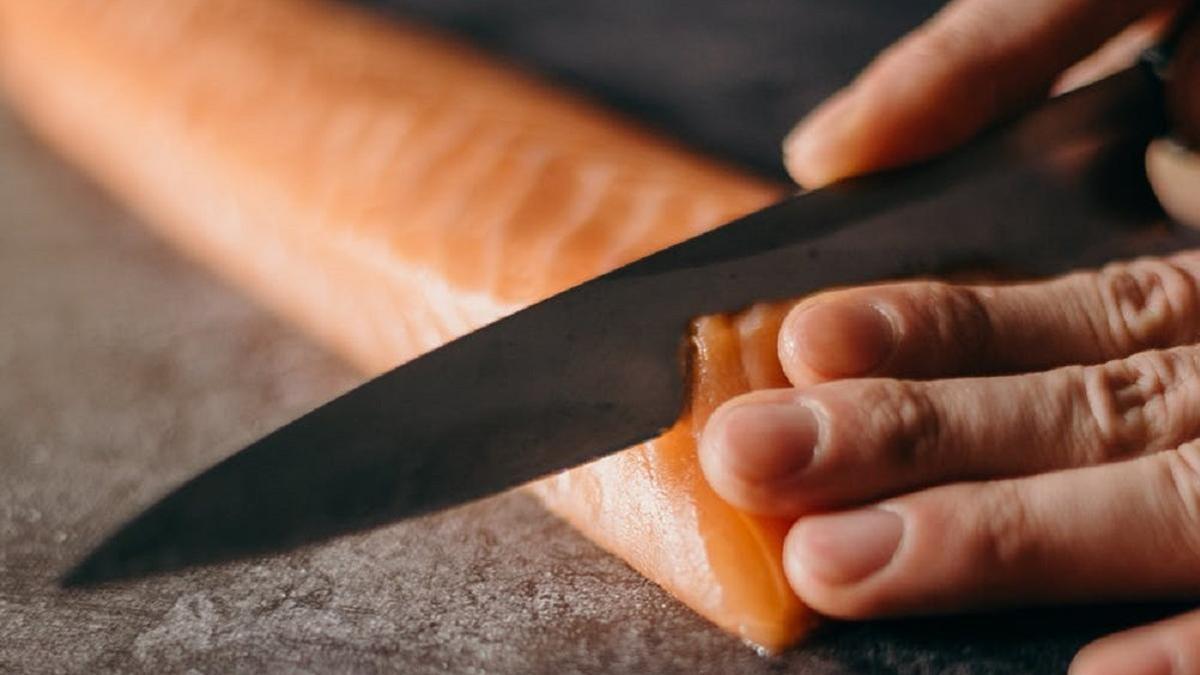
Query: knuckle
[(905, 421), (958, 315), (1136, 405), (1149, 303), (1005, 535)]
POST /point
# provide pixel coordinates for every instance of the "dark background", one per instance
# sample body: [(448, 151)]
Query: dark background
[(730, 77), (125, 369)]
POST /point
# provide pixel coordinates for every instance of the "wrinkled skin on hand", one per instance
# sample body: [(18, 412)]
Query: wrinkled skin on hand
[(947, 447)]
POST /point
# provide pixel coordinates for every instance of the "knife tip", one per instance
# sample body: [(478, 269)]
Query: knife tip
[(93, 570), (106, 564), (149, 544), (82, 575)]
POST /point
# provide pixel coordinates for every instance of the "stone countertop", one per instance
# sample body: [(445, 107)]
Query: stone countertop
[(124, 369)]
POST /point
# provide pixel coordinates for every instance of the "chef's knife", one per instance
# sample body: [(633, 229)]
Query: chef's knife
[(604, 365)]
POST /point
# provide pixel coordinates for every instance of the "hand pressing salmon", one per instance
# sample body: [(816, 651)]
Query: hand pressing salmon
[(979, 445)]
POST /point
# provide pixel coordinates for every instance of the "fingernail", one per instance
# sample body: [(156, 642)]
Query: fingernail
[(845, 548), (841, 339), (1174, 172), (768, 441), (815, 151), (1122, 656)]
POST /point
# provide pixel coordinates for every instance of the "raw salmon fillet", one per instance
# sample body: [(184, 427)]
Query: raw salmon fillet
[(389, 190)]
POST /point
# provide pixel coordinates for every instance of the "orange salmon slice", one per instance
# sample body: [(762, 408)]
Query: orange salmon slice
[(389, 190)]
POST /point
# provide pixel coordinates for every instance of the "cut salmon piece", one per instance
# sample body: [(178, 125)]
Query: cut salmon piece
[(651, 505), (389, 189)]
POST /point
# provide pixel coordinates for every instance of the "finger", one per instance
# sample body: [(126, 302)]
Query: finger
[(1166, 648), (1174, 171), (927, 329), (1114, 532), (1117, 53), (790, 452), (975, 61), (1183, 92)]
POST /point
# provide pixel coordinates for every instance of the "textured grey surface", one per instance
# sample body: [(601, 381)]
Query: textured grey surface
[(124, 369)]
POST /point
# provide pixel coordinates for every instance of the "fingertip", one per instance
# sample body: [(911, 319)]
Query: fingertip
[(753, 449), (830, 559), (835, 338), (1174, 172), (1124, 654), (712, 451), (809, 588), (820, 149), (795, 569)]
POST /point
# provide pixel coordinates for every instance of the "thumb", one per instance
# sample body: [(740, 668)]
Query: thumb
[(1172, 165)]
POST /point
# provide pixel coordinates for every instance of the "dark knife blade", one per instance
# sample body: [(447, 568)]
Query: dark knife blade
[(603, 366)]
